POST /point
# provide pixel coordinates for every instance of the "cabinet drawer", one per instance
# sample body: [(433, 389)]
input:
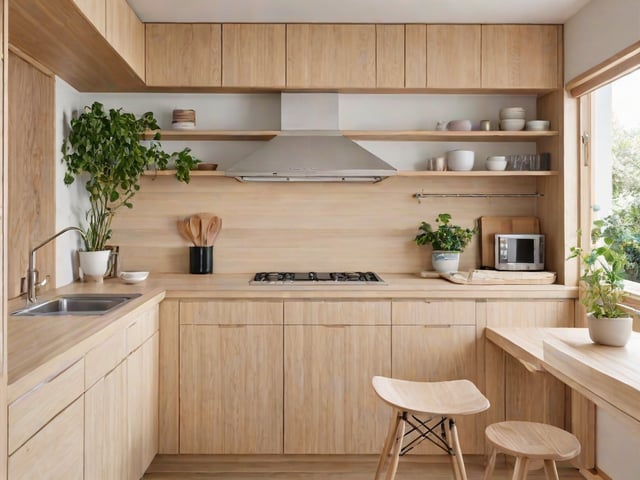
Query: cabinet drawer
[(143, 328), (438, 312), (348, 312), (104, 358), (56, 451), (28, 413), (232, 312)]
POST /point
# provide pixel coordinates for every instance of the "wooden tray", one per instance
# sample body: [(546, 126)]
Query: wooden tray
[(493, 277)]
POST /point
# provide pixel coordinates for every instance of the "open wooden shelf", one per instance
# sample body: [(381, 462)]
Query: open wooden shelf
[(213, 135), (400, 173), (447, 136)]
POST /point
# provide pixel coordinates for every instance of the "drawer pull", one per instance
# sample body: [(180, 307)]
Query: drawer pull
[(47, 380)]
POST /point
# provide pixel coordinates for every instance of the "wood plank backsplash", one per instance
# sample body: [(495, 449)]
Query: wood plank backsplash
[(301, 227)]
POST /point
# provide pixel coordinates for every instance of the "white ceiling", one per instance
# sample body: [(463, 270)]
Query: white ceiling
[(358, 11)]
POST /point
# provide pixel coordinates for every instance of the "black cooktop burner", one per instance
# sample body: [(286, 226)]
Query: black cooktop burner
[(319, 277)]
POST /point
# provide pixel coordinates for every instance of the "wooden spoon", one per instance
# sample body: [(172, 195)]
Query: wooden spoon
[(194, 225), (182, 229), (214, 229)]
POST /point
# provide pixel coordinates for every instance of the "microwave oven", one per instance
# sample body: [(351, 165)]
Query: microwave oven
[(521, 251)]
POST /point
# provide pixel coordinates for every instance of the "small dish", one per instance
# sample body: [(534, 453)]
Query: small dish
[(459, 125), (133, 277), (207, 166), (496, 163), (538, 125), (183, 125), (512, 113), (512, 124)]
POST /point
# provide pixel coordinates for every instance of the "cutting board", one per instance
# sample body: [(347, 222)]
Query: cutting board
[(489, 226), (488, 277)]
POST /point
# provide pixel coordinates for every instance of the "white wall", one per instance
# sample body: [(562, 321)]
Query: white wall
[(599, 30)]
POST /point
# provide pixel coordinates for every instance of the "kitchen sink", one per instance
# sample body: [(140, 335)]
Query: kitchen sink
[(78, 304)]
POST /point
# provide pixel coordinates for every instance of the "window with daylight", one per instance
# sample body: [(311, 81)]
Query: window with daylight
[(615, 153)]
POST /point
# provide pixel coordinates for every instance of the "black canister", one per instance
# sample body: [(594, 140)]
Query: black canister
[(201, 259)]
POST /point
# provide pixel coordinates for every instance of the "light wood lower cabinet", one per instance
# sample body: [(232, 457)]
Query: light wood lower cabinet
[(106, 432), (56, 451), (329, 403), (231, 389), (436, 341)]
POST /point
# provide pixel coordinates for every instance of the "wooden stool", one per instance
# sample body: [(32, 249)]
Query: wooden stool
[(530, 441), (440, 401)]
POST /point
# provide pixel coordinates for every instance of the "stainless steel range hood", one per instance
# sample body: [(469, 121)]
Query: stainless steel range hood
[(310, 148)]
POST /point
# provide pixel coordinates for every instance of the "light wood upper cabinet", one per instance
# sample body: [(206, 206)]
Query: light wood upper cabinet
[(390, 56), (95, 11), (183, 55), (125, 32), (231, 389), (415, 56), (453, 56), (253, 55), (520, 56), (331, 56)]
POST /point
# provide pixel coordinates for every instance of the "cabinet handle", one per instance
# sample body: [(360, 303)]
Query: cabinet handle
[(227, 325), (47, 380), (438, 326), (337, 325)]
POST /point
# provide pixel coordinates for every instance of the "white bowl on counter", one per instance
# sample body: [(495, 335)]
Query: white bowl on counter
[(460, 160), (496, 163), (513, 124), (133, 277)]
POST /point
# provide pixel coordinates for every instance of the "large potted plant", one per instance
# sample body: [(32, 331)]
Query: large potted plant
[(104, 148), (448, 242), (602, 287)]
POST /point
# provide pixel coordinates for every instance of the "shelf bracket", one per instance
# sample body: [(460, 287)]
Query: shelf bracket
[(421, 196)]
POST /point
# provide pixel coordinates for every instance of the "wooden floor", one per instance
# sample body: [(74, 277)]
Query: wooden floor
[(317, 467)]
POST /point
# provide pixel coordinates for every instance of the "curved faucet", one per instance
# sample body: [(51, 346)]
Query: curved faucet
[(32, 273)]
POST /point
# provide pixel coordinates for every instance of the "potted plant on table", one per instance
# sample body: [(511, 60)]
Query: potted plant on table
[(104, 148), (448, 242), (602, 287)]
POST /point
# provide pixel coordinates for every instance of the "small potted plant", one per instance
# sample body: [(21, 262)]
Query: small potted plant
[(448, 242), (602, 287), (104, 148)]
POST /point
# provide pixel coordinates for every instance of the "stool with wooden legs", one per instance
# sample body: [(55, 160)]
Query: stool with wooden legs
[(440, 403), (529, 441)]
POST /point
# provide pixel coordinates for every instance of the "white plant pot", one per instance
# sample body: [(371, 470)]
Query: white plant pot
[(614, 332), (445, 262), (94, 265)]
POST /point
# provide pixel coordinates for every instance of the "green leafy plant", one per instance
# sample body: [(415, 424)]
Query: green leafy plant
[(446, 236), (602, 278), (104, 147)]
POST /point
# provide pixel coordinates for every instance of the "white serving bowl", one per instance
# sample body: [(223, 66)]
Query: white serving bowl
[(512, 124), (496, 163), (183, 125), (133, 277), (512, 113), (538, 125), (460, 160)]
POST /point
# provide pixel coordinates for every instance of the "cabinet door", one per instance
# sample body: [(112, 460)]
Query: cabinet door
[(520, 56), (253, 55), (106, 432), (183, 55), (509, 385), (125, 32), (169, 378), (95, 11), (390, 56), (142, 406), (231, 389), (453, 56), (330, 405), (415, 38), (56, 451), (331, 56)]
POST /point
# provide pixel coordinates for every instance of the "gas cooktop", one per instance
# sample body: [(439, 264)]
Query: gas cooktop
[(308, 278)]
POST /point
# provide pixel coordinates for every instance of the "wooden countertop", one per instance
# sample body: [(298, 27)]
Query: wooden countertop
[(608, 376), (39, 346)]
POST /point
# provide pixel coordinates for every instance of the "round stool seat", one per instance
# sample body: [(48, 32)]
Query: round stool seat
[(533, 440), (449, 398)]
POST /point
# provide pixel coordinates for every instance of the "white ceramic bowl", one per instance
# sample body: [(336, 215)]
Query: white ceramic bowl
[(496, 163), (459, 125), (133, 277), (512, 124), (183, 125), (460, 160), (512, 113), (538, 125)]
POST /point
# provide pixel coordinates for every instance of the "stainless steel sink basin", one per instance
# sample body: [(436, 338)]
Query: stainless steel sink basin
[(79, 304)]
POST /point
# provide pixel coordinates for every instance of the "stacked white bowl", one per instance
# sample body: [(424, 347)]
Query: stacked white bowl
[(512, 118)]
